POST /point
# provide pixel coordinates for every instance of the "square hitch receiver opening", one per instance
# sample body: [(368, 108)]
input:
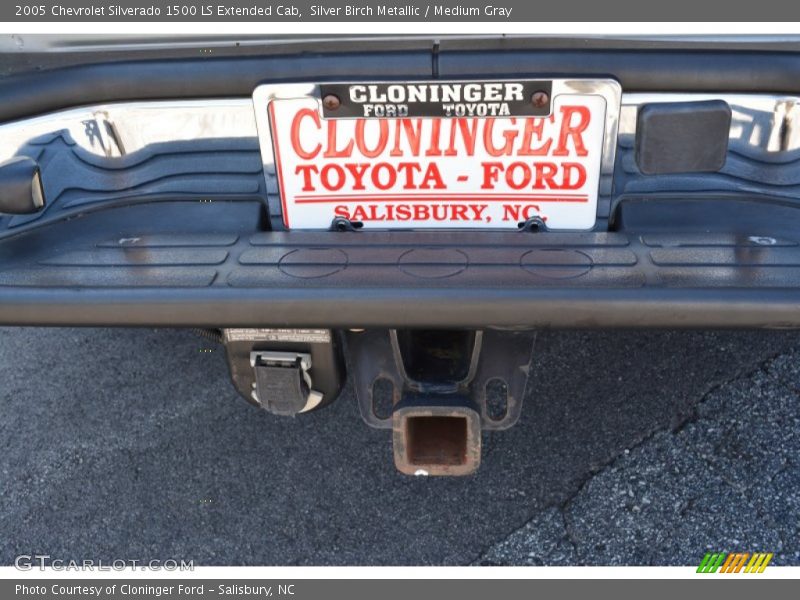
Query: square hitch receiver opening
[(441, 440), (436, 440)]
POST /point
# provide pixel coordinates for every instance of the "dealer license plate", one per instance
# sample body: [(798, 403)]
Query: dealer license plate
[(464, 154)]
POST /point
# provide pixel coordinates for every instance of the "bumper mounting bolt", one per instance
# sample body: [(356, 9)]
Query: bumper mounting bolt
[(331, 102), (540, 99)]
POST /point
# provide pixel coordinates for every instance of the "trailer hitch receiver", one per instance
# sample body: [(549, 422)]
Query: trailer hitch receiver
[(438, 389), (433, 437)]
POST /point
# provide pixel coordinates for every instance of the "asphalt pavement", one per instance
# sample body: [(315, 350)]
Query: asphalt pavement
[(633, 448)]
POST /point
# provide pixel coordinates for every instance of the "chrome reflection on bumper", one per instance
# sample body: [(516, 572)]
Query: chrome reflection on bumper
[(123, 128), (768, 123), (765, 124)]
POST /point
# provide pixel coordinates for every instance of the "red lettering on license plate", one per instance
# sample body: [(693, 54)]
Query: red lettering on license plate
[(439, 172)]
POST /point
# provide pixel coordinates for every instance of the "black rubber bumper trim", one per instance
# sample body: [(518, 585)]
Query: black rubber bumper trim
[(376, 307), (55, 89), (641, 70)]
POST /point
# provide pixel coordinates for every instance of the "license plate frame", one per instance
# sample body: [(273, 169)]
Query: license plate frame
[(288, 173)]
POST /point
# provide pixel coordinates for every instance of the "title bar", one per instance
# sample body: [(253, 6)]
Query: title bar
[(319, 11)]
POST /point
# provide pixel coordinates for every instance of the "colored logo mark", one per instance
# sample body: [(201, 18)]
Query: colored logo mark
[(734, 562)]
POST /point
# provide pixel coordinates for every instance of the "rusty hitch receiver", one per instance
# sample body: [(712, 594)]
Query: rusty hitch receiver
[(437, 390), (436, 435)]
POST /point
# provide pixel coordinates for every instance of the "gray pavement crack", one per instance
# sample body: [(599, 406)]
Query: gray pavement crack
[(692, 417)]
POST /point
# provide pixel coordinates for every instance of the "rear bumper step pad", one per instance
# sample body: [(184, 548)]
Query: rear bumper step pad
[(76, 272)]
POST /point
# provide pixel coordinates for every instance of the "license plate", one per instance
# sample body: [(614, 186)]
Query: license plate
[(467, 154)]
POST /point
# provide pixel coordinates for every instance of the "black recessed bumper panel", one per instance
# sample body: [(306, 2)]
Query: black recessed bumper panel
[(178, 263)]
